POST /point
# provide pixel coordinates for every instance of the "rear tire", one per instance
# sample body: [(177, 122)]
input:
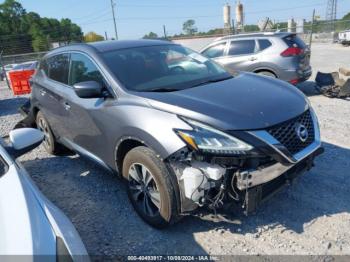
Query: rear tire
[(150, 188), (267, 73), (50, 144)]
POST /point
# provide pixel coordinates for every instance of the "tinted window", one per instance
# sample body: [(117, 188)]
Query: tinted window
[(294, 41), (44, 66), (83, 69), (165, 67), (242, 47), (215, 51), (264, 43), (58, 68)]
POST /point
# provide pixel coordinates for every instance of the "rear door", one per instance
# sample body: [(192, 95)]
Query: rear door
[(241, 55), (49, 86)]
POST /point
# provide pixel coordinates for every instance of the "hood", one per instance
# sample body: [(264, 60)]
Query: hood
[(245, 102)]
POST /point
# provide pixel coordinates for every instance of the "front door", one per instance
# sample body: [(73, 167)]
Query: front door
[(84, 124)]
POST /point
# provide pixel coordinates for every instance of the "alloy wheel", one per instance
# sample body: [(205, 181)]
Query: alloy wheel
[(43, 126), (144, 190)]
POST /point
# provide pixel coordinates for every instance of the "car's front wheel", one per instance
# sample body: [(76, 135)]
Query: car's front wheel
[(151, 189)]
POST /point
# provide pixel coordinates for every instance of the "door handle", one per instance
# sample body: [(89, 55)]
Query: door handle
[(253, 59), (66, 106), (42, 92)]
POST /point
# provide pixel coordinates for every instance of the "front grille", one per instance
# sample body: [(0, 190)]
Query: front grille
[(286, 133)]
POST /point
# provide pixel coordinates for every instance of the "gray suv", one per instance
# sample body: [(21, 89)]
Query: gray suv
[(181, 130), (280, 55)]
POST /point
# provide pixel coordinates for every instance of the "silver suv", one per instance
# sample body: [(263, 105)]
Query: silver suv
[(280, 55), (179, 128)]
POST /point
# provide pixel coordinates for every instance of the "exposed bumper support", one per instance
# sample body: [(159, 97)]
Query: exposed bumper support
[(248, 179)]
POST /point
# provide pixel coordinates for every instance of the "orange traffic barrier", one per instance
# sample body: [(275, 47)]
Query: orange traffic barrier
[(20, 81)]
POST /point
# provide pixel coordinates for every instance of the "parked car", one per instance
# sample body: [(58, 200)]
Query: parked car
[(279, 55), (9, 67), (29, 223), (31, 65), (183, 137), (5, 70), (344, 37)]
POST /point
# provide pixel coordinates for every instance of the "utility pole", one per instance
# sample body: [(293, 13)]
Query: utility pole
[(331, 14), (312, 28), (115, 24), (164, 31), (233, 26)]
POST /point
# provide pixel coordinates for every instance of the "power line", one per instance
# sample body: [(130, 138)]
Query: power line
[(115, 24), (94, 18), (216, 15), (103, 10)]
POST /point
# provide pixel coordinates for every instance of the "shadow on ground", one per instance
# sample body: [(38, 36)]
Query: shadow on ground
[(97, 204), (309, 88), (10, 106)]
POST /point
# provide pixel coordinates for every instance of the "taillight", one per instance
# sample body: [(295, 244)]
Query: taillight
[(294, 81), (292, 51)]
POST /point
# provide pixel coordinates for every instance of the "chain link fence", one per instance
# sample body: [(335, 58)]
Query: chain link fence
[(22, 58)]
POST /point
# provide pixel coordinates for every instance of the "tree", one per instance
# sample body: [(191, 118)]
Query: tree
[(93, 37), (215, 31), (22, 32), (346, 17), (344, 23), (11, 12), (189, 27), (251, 28), (150, 35)]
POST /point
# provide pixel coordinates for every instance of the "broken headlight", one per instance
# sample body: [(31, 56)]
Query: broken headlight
[(210, 140)]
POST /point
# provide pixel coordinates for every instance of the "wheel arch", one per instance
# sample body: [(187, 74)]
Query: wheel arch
[(163, 142), (263, 69), (124, 146)]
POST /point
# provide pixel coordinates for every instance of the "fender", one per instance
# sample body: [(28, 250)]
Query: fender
[(145, 138)]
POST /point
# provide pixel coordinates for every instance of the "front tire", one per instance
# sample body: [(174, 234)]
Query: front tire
[(150, 187)]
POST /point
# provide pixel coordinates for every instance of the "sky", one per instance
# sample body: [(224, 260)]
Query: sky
[(135, 18)]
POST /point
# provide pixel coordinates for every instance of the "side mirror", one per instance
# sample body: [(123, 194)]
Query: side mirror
[(23, 140), (88, 89)]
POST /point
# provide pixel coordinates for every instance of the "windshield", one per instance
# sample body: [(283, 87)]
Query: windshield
[(162, 68)]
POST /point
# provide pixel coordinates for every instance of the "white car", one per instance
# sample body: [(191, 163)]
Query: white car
[(29, 223)]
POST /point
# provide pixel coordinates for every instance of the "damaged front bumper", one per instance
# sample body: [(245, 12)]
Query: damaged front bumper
[(250, 178), (214, 181), (255, 195)]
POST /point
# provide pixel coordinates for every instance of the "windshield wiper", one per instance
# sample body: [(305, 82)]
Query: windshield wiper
[(162, 89), (212, 81)]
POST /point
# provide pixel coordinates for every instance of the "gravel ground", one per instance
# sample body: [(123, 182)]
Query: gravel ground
[(310, 217)]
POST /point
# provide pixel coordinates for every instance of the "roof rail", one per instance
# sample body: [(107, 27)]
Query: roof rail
[(250, 34)]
